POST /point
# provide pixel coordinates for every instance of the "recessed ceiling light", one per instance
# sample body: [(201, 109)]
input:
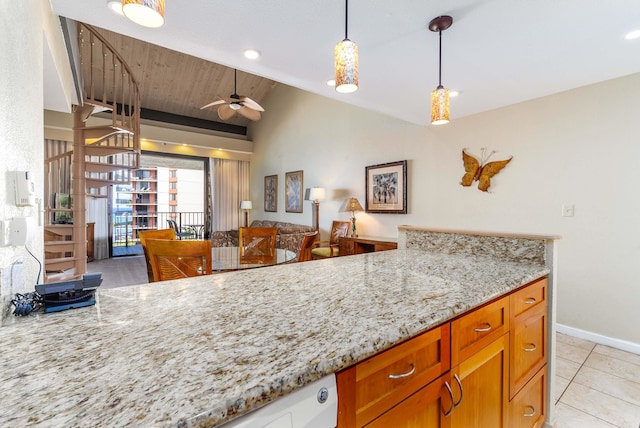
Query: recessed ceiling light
[(331, 82), (453, 93), (115, 6), (252, 54), (632, 35)]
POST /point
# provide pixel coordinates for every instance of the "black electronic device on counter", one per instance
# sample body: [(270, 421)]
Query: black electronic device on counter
[(76, 293)]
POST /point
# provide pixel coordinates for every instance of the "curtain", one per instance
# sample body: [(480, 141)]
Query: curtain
[(229, 186), (97, 212)]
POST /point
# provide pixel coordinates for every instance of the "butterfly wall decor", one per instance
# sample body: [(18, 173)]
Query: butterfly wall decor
[(481, 170)]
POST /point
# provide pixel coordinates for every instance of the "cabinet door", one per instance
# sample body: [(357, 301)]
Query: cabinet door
[(528, 347), (483, 396), (425, 408), (527, 409)]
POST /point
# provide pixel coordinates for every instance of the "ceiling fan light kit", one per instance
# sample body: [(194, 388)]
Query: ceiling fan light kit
[(346, 60), (148, 13), (440, 96)]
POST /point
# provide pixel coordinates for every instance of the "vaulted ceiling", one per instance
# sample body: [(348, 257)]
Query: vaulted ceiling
[(497, 52)]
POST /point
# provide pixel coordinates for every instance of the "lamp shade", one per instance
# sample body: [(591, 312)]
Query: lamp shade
[(346, 66), (317, 193), (353, 205), (148, 13), (440, 106), (246, 205)]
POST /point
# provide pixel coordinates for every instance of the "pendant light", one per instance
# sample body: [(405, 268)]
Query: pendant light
[(148, 13), (346, 60), (440, 96)]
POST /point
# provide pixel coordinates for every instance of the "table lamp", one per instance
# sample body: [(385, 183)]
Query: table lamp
[(315, 195), (353, 205), (246, 206)]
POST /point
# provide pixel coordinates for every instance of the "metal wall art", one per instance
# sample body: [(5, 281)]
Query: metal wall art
[(481, 170)]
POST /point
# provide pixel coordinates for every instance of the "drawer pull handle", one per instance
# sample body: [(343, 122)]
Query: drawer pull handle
[(532, 412), (407, 374), (448, 412), (529, 347), (455, 376), (530, 301), (483, 329)]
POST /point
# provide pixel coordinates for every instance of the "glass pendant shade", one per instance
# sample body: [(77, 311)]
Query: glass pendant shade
[(148, 13), (440, 106), (346, 66)]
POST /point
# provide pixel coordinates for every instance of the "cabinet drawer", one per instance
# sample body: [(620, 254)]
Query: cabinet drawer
[(385, 379), (474, 331), (530, 297), (528, 347), (527, 409)]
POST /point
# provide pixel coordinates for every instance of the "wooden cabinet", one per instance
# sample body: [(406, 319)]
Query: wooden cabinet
[(370, 388), (349, 246), (486, 368), (90, 227)]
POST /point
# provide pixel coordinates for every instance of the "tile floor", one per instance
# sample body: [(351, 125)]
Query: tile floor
[(596, 386)]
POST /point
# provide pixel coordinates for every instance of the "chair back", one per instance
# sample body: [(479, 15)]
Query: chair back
[(179, 233), (174, 259), (305, 248), (256, 242), (153, 234), (338, 229)]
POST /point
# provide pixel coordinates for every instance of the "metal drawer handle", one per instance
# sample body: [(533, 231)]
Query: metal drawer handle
[(529, 347), (483, 329), (407, 374), (455, 376), (448, 412), (530, 301), (531, 413)]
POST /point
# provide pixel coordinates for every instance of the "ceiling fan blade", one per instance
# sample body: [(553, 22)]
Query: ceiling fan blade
[(249, 113), (251, 104), (225, 112), (215, 103)]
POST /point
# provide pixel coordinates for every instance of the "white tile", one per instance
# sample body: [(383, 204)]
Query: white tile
[(602, 406), (566, 369), (618, 354), (614, 366), (623, 389), (561, 385), (568, 417), (572, 352), (574, 341)]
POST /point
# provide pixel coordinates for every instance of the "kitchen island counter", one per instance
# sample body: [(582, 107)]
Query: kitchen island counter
[(201, 351)]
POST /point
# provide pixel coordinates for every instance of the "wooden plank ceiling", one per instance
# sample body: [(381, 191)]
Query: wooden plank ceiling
[(176, 83)]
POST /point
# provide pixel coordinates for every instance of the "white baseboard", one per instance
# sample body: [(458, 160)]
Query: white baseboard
[(598, 338)]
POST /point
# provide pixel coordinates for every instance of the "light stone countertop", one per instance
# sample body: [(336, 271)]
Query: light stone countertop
[(200, 351)]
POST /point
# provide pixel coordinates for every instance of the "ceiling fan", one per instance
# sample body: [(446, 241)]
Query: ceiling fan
[(236, 103)]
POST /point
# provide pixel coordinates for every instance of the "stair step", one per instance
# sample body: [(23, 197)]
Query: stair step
[(103, 131), (60, 264), (59, 229), (58, 246), (62, 276), (95, 150), (97, 183), (104, 167)]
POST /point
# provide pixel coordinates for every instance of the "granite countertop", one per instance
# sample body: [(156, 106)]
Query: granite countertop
[(201, 351)]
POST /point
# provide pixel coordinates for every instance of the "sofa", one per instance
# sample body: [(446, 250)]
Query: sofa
[(289, 235)]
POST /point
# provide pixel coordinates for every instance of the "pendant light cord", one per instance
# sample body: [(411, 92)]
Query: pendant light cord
[(346, 19), (440, 61)]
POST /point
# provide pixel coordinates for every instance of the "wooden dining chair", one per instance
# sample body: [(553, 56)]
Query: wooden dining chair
[(329, 248), (307, 245), (153, 234), (174, 259), (257, 242)]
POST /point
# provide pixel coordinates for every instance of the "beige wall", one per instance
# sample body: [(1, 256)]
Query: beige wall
[(21, 132), (579, 147)]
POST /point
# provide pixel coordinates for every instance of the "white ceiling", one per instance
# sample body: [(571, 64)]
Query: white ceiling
[(497, 52)]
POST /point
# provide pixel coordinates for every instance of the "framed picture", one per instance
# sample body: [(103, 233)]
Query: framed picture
[(387, 188), (271, 193), (293, 191)]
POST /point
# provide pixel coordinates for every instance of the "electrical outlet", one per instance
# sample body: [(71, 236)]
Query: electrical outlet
[(568, 210)]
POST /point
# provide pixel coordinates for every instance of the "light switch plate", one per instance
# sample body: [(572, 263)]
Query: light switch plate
[(568, 210)]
